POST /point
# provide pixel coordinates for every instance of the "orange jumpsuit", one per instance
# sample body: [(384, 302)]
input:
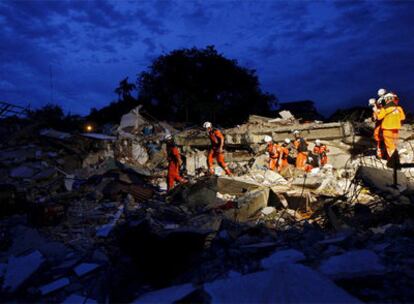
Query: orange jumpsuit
[(283, 154), (216, 138), (391, 116), (321, 152), (378, 134), (302, 157), (174, 161), (273, 150)]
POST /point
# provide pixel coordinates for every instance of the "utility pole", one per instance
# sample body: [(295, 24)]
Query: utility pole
[(51, 83)]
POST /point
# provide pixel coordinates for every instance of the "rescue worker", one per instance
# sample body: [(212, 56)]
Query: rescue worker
[(216, 150), (320, 150), (273, 151), (174, 163), (376, 107), (391, 116), (283, 155), (302, 150)]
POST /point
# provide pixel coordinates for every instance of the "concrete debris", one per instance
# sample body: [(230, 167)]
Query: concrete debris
[(357, 263), (86, 218), (85, 268), (53, 286), (167, 295), (72, 299), (279, 285), (19, 269), (282, 257)]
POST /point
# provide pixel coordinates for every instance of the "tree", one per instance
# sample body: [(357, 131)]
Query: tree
[(124, 89), (195, 85)]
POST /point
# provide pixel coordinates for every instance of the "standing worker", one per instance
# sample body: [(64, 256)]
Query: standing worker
[(174, 163), (302, 150), (376, 107), (320, 150), (283, 155), (217, 148), (272, 150), (391, 116)]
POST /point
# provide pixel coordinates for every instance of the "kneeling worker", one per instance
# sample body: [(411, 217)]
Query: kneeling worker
[(217, 148), (174, 163), (320, 151)]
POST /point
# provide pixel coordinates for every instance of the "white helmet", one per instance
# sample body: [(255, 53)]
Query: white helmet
[(207, 125), (267, 139), (318, 142), (287, 140), (168, 136), (382, 92), (372, 101), (296, 132), (389, 97)]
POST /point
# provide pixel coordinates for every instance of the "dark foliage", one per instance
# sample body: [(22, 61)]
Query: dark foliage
[(113, 112), (195, 85), (52, 116)]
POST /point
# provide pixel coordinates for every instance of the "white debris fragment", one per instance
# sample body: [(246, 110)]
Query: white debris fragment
[(279, 285), (105, 230), (166, 295), (85, 268), (53, 286), (74, 299), (19, 269), (355, 263), (283, 256)]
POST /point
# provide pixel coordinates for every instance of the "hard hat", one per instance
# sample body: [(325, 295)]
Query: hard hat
[(296, 132), (372, 101), (382, 92), (267, 139), (168, 136), (207, 125), (287, 140), (317, 142), (389, 97)]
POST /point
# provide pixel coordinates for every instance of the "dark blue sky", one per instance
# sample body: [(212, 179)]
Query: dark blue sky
[(335, 53)]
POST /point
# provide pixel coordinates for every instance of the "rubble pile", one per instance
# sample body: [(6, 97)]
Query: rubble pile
[(86, 218)]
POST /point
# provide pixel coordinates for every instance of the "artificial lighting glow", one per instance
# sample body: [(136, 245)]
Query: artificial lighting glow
[(89, 128)]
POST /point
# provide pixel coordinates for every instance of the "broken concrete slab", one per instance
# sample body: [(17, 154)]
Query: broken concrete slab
[(381, 180), (85, 268), (278, 285), (307, 181), (283, 256), (166, 295), (75, 299), (252, 133), (105, 230), (236, 184), (249, 204), (22, 172), (54, 286), (55, 134), (19, 269), (356, 263), (99, 136)]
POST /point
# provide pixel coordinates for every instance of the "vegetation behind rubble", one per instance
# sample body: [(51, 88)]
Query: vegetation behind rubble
[(195, 85)]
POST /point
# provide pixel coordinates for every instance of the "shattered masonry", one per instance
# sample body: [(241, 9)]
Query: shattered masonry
[(85, 217)]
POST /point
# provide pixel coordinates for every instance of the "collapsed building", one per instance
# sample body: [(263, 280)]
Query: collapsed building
[(89, 213)]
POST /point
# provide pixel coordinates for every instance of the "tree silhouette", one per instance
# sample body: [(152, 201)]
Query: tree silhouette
[(124, 89), (195, 85)]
